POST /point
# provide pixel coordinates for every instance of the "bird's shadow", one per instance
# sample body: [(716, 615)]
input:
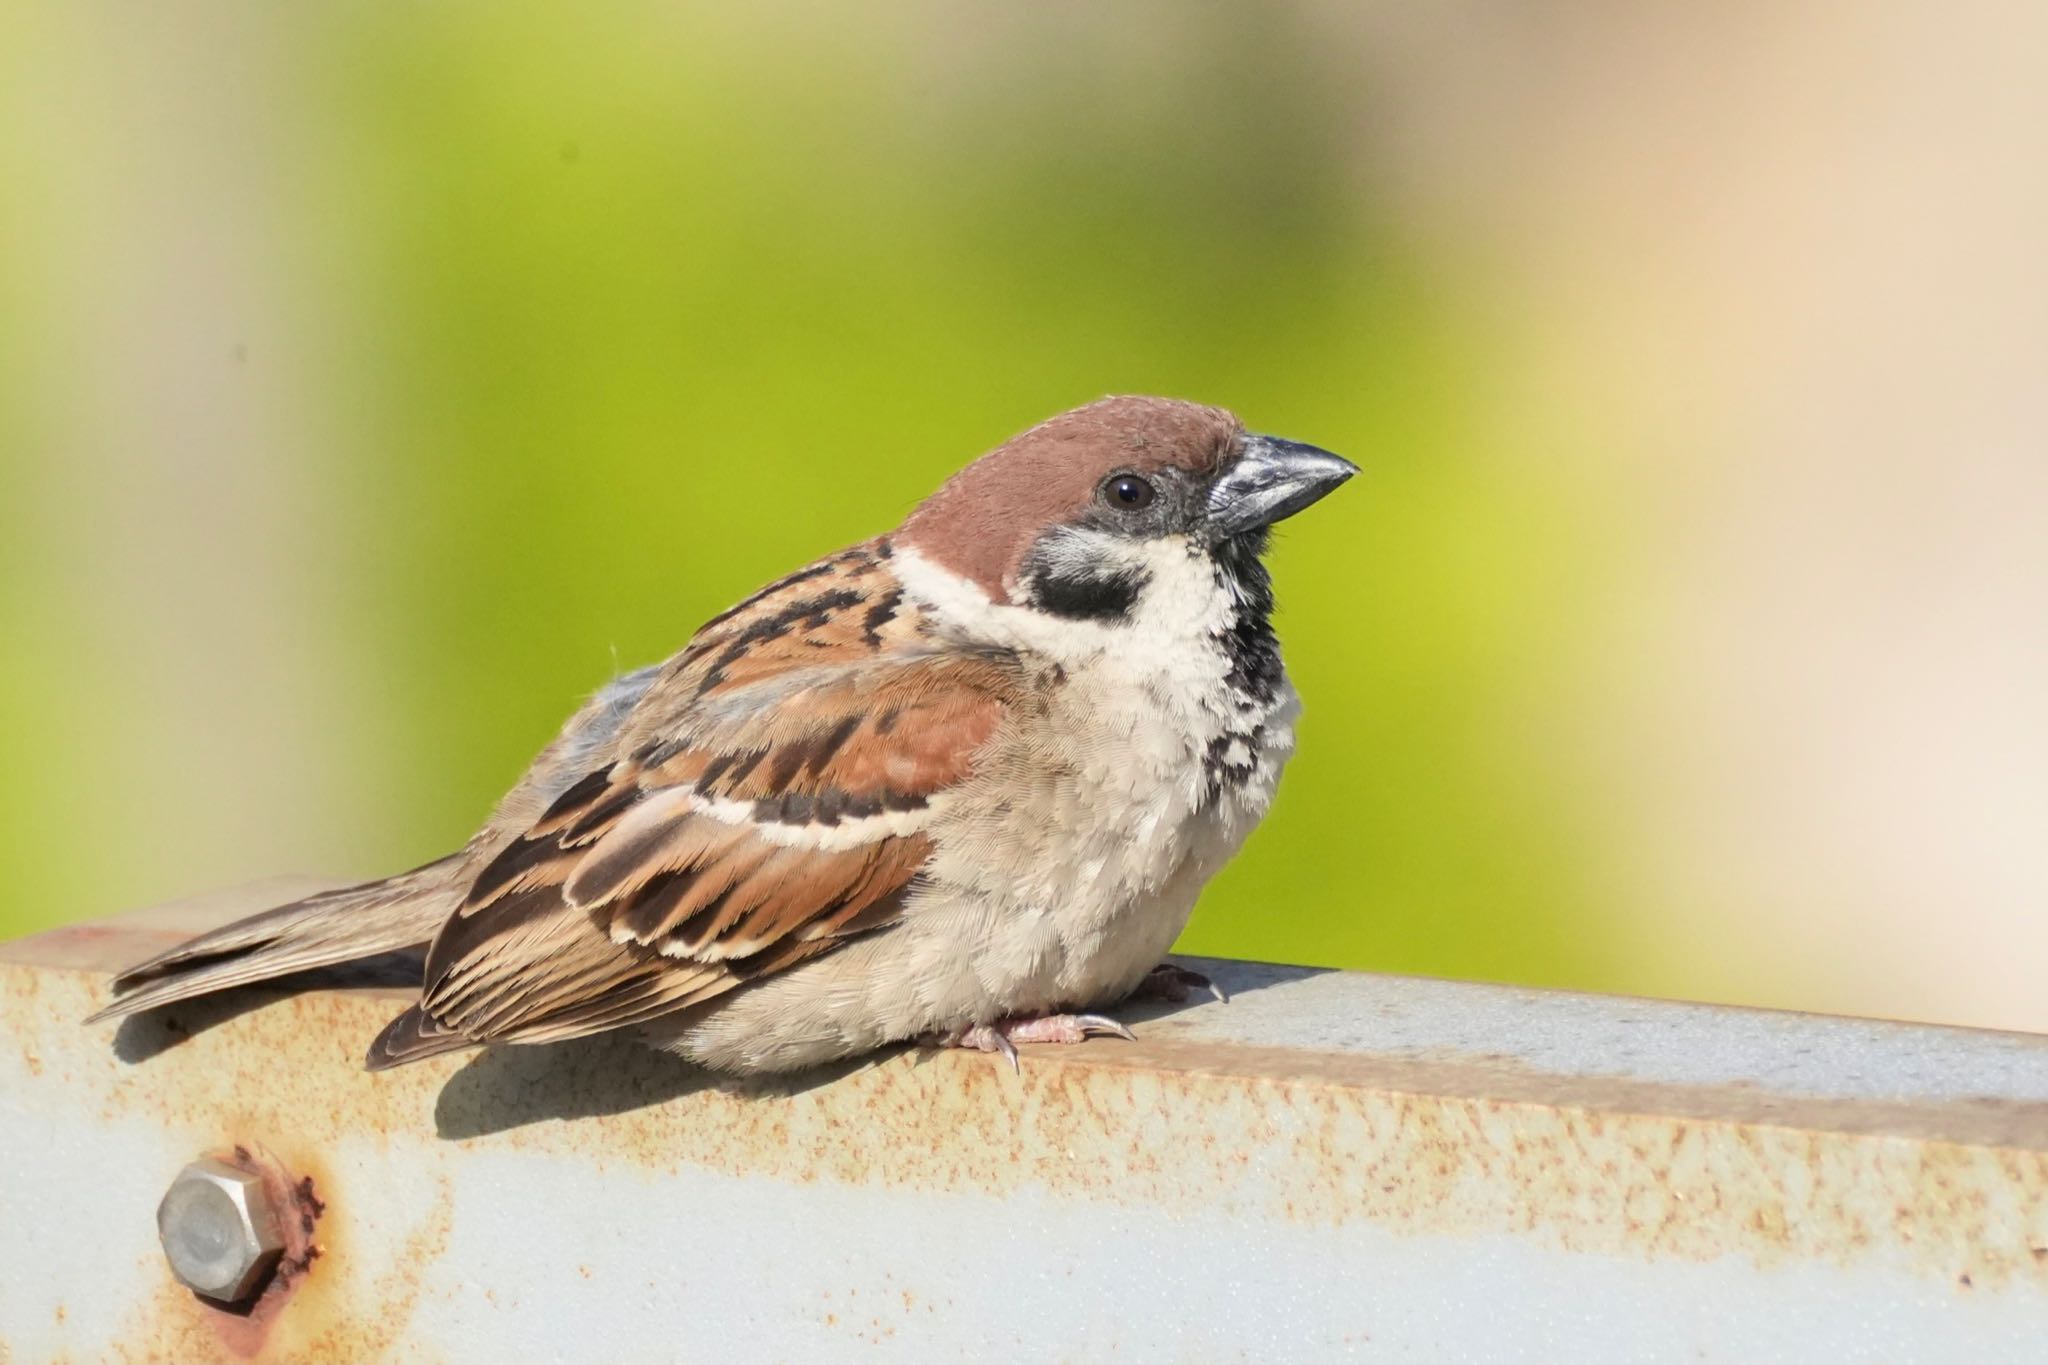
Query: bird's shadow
[(506, 1087), (511, 1086)]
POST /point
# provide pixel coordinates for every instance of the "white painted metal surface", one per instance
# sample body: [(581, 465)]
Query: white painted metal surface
[(1331, 1166)]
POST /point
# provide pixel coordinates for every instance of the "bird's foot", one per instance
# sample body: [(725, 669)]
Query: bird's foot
[(1004, 1035), (1172, 984)]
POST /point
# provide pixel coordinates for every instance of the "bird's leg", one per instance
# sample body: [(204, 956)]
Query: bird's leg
[(1004, 1035), (1171, 983)]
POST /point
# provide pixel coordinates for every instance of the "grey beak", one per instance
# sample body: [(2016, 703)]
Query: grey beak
[(1272, 479)]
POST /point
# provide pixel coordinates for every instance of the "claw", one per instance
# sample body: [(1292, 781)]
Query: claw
[(1003, 1036), (982, 1038), (1102, 1023)]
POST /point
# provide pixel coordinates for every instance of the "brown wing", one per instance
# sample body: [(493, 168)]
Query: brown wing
[(767, 802)]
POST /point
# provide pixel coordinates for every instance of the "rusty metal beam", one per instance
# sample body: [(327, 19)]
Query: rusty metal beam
[(1330, 1164)]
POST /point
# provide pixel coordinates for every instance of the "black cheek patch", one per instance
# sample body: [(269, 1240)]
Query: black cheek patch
[(1081, 593)]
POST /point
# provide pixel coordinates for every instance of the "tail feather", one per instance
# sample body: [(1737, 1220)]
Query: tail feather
[(411, 1036), (322, 930)]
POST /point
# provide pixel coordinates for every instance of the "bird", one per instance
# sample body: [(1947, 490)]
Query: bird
[(957, 785)]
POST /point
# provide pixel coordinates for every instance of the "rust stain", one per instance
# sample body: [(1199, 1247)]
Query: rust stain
[(374, 1327), (245, 1329)]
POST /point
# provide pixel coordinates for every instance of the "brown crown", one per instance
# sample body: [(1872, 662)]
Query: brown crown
[(982, 521)]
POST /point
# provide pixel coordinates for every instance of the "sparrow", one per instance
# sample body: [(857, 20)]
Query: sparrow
[(953, 785)]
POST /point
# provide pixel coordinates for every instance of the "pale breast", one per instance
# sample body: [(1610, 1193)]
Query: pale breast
[(1077, 859), (1067, 865)]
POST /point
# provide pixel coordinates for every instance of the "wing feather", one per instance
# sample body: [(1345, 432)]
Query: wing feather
[(767, 800)]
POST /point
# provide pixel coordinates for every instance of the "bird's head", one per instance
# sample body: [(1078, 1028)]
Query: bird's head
[(1079, 515)]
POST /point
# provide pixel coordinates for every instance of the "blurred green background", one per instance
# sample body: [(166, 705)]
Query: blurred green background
[(378, 380)]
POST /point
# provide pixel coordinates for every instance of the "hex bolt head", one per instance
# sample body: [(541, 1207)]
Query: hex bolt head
[(219, 1230)]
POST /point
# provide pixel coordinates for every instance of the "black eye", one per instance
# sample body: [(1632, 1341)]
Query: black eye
[(1127, 492)]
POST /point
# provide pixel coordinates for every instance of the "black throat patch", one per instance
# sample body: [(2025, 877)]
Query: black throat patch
[(1249, 642)]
